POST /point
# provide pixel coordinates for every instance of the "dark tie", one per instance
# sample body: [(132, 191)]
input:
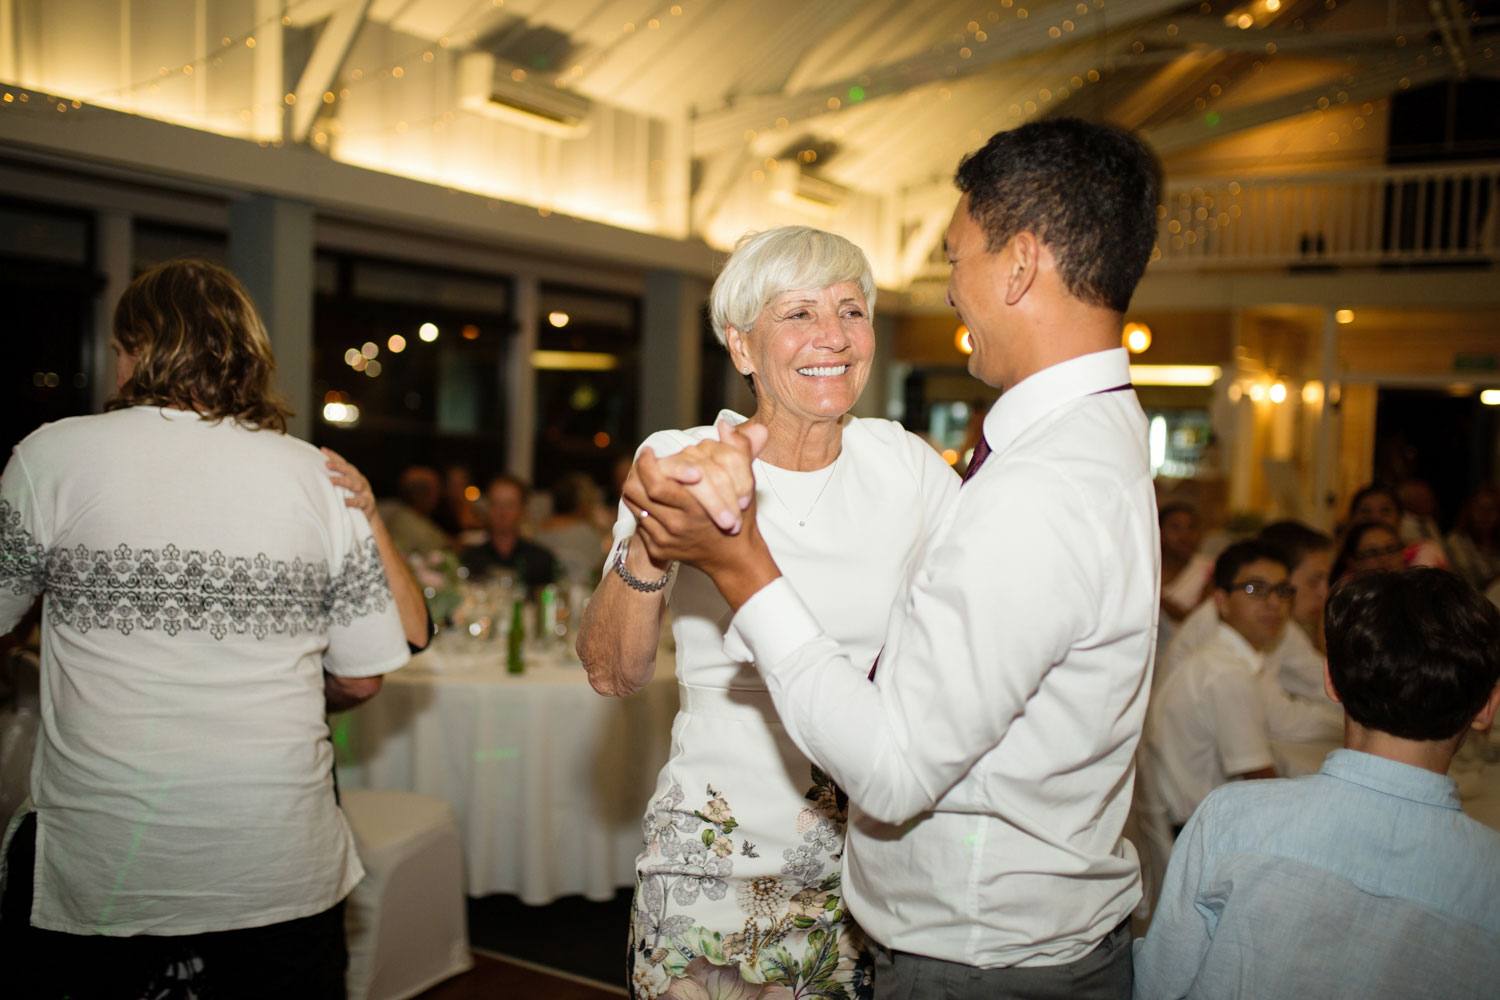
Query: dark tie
[(981, 452)]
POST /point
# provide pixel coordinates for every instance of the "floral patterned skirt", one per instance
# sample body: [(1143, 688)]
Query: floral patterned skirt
[(738, 885)]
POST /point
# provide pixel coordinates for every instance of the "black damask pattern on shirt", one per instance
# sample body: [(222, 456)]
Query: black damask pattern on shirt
[(21, 555), (177, 591)]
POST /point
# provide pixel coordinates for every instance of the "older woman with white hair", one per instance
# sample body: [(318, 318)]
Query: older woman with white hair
[(739, 878)]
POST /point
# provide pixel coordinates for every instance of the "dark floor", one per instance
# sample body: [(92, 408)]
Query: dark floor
[(572, 935), (495, 977)]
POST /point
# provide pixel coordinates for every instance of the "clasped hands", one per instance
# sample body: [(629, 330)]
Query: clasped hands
[(698, 506)]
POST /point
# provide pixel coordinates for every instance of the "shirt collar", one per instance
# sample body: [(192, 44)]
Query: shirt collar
[(1404, 781), (1037, 395), (1240, 646)]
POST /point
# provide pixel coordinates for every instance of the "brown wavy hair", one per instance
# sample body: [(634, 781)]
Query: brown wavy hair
[(198, 345)]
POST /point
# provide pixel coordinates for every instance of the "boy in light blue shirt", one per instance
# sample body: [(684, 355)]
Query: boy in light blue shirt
[(1366, 879)]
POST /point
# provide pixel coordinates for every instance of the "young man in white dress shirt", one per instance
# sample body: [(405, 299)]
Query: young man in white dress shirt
[(989, 766)]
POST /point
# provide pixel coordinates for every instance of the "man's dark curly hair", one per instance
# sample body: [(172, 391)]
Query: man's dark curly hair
[(1086, 190)]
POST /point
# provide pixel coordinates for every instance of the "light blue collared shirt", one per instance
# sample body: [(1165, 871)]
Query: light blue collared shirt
[(1363, 880)]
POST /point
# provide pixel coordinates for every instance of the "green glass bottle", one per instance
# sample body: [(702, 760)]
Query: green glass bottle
[(516, 638)]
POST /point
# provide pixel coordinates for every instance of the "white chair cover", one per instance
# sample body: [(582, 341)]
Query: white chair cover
[(406, 922)]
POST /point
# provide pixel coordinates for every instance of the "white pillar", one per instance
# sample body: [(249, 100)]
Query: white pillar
[(114, 252), (271, 251)]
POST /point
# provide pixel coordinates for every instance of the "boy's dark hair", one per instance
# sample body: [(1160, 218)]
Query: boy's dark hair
[(1238, 556), (1087, 190), (1413, 653), (1295, 541)]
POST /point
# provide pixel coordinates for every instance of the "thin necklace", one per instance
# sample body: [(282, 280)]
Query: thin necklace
[(802, 521)]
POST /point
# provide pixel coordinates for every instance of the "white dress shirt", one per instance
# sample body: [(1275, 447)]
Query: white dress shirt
[(989, 766), (1214, 718)]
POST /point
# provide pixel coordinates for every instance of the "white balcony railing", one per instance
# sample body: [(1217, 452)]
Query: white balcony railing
[(1366, 217)]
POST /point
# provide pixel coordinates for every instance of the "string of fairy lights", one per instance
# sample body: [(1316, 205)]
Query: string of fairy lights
[(1194, 221)]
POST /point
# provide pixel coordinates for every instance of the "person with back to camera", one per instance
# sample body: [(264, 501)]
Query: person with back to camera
[(208, 595), (740, 880), (1365, 879)]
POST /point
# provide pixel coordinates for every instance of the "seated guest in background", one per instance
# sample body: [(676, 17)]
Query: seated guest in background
[(1185, 572), (1366, 879), (1296, 660), (409, 516), (1419, 512), (463, 519), (208, 595), (1214, 718), (571, 531), (1377, 502), (534, 565), (1474, 542), (1368, 545)]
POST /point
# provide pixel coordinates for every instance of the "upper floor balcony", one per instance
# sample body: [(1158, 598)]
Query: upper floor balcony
[(1352, 219)]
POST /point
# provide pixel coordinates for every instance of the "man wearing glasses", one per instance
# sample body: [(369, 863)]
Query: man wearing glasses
[(1215, 714)]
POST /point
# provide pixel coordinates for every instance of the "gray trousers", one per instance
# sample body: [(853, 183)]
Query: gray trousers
[(1106, 973)]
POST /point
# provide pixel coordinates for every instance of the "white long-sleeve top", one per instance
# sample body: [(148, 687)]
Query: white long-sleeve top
[(990, 765)]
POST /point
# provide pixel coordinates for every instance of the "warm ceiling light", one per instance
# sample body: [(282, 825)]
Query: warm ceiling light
[(396, 344), (1278, 392), (950, 456), (1136, 337), (1490, 397), (470, 332), (1312, 393), (1258, 392), (1235, 392), (369, 350), (341, 413), (601, 440), (1273, 5), (963, 340), (428, 332), (1175, 374), (558, 319), (1344, 316)]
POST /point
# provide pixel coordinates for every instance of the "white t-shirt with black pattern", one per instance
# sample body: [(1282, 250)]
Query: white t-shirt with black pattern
[(198, 578)]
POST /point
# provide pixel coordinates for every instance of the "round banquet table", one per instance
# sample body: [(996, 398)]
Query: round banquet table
[(1478, 779), (549, 779)]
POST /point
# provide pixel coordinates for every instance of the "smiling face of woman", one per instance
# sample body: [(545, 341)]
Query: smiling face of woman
[(809, 353)]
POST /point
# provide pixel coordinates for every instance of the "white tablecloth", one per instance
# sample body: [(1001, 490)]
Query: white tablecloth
[(1478, 779), (548, 778)]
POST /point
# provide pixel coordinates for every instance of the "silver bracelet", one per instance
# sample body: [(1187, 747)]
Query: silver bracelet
[(636, 583)]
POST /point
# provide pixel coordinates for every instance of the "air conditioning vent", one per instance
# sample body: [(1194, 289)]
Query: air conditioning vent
[(498, 89)]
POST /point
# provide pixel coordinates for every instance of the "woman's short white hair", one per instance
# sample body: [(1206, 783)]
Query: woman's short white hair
[(785, 259)]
